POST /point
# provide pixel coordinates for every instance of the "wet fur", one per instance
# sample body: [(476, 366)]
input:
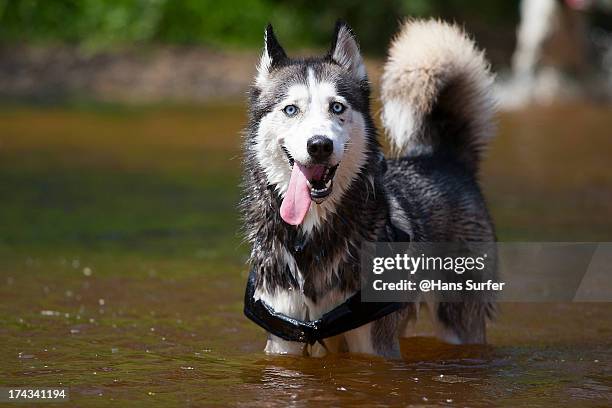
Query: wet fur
[(438, 116)]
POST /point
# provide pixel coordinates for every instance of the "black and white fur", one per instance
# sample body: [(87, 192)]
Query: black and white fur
[(437, 110)]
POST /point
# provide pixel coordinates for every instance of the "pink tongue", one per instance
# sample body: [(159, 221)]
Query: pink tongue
[(297, 199)]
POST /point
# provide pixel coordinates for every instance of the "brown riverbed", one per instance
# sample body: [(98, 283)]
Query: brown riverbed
[(122, 271)]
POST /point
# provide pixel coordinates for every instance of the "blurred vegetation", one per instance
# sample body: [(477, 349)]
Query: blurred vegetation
[(236, 23)]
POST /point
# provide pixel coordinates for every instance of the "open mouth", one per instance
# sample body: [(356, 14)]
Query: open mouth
[(319, 178)]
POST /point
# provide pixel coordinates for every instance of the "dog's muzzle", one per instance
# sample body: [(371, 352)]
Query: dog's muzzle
[(322, 187)]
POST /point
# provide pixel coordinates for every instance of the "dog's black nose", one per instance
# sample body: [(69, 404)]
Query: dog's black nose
[(320, 147)]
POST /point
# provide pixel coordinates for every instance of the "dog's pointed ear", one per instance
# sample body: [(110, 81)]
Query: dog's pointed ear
[(345, 51), (273, 55)]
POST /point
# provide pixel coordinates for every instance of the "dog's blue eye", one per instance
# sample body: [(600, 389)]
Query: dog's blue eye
[(337, 108), (290, 110)]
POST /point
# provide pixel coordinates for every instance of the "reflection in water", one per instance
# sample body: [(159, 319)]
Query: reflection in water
[(429, 376), (121, 272)]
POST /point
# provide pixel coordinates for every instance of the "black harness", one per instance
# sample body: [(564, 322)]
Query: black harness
[(351, 314)]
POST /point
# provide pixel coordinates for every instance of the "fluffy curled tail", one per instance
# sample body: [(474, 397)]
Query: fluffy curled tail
[(436, 93)]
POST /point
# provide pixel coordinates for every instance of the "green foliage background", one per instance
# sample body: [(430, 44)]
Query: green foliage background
[(235, 23)]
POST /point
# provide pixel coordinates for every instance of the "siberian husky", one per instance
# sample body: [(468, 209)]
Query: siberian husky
[(316, 184)]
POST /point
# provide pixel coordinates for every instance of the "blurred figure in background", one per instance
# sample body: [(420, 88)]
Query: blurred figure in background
[(563, 51)]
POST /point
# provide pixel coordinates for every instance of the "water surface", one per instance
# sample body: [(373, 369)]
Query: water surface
[(122, 269)]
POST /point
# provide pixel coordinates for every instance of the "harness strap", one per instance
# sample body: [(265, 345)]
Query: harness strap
[(351, 314)]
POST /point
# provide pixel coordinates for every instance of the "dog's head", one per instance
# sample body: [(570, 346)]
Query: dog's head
[(310, 124)]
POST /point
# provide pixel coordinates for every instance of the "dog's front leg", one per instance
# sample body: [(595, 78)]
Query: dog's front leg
[(378, 338), (290, 303), (359, 340), (276, 345)]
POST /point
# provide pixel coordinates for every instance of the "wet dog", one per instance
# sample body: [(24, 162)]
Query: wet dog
[(316, 184)]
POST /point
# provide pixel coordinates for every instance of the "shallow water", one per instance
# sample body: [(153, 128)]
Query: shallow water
[(122, 272)]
